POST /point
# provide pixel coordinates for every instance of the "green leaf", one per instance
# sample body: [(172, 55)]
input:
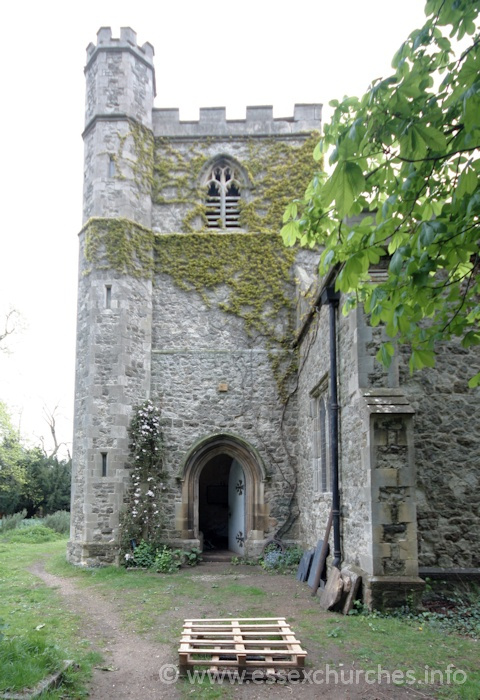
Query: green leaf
[(290, 232), (290, 212), (433, 137), (412, 144), (385, 354), (472, 110), (318, 151), (421, 358), (326, 259), (346, 184), (467, 183), (397, 261), (474, 381), (471, 338)]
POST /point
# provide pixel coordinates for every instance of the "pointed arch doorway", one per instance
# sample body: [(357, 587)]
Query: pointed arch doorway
[(221, 504), (223, 496)]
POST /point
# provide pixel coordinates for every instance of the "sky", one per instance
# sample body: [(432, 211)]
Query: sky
[(232, 54)]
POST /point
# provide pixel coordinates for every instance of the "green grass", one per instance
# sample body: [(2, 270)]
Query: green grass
[(31, 534), (155, 605), (26, 660), (368, 641), (406, 645), (38, 634)]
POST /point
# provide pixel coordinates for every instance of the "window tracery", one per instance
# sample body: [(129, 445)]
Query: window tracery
[(223, 196)]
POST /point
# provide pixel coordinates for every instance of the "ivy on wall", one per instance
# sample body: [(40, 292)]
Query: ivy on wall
[(140, 160), (275, 170), (119, 244), (254, 269)]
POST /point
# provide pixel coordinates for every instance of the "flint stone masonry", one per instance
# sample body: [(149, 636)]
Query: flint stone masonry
[(409, 447)]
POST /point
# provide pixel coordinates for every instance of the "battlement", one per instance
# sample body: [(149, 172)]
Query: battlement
[(127, 40), (259, 121)]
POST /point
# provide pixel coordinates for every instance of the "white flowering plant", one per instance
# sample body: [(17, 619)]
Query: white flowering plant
[(141, 519)]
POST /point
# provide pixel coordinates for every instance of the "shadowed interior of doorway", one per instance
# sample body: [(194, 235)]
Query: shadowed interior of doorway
[(213, 503)]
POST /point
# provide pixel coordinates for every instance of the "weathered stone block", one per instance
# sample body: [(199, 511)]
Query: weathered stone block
[(386, 477)]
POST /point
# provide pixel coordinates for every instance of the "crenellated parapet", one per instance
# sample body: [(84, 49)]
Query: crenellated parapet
[(120, 78), (128, 39), (120, 90), (259, 121)]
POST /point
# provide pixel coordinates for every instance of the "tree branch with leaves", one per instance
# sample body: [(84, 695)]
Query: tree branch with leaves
[(404, 190)]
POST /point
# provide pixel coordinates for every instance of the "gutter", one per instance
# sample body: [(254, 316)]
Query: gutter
[(331, 297)]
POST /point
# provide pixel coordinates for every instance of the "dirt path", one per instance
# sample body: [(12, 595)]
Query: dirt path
[(135, 662)]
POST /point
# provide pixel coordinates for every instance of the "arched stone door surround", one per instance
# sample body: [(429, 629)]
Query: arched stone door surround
[(256, 515)]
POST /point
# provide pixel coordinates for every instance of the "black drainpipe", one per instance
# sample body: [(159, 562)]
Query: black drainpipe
[(330, 297)]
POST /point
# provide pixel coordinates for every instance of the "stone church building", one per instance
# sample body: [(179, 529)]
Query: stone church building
[(272, 402)]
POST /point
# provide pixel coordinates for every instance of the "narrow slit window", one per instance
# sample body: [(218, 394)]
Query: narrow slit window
[(108, 296), (104, 464), (111, 167), (319, 416), (323, 446)]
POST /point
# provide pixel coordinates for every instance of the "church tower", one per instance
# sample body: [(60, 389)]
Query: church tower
[(114, 307), (186, 297)]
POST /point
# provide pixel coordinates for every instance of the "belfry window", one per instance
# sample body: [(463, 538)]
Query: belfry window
[(223, 196)]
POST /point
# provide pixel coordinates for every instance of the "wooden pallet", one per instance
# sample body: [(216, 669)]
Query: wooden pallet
[(260, 645)]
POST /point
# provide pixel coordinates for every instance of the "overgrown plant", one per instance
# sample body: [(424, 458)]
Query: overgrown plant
[(11, 522), (59, 521), (162, 559), (404, 190), (141, 519), (281, 560), (32, 534), (167, 560), (453, 613)]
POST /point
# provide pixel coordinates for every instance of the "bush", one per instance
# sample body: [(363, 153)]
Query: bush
[(192, 557), (11, 522), (282, 561), (168, 560), (143, 555), (32, 535), (163, 559), (59, 521)]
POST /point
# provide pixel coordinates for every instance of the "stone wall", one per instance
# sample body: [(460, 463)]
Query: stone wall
[(355, 481), (140, 333), (313, 380), (210, 377), (376, 462), (447, 455), (355, 497), (112, 375)]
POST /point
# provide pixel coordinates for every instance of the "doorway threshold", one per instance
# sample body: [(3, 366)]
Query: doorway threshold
[(220, 555)]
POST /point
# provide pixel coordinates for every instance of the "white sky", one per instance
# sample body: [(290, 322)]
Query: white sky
[(233, 54)]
